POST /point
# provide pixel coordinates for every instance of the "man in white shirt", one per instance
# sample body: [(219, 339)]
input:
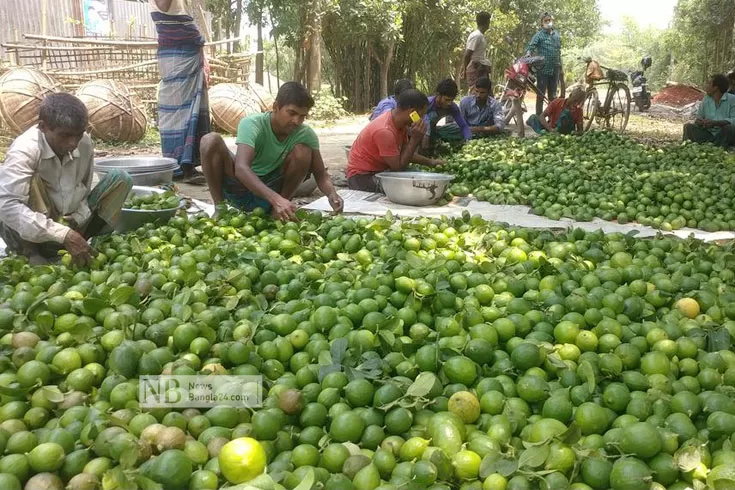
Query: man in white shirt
[(475, 64), (46, 198)]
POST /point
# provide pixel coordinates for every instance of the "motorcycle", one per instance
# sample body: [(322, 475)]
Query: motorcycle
[(519, 78), (640, 93)]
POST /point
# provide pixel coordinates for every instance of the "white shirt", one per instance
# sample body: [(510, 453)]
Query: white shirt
[(67, 184), (178, 7), (478, 45)]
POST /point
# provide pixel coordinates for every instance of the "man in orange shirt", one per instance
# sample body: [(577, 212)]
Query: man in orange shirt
[(562, 115), (385, 145)]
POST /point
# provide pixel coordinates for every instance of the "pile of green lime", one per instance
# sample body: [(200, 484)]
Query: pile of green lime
[(429, 354), (153, 202), (603, 175)]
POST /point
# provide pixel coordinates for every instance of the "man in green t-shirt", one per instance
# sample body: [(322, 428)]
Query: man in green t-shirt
[(276, 152)]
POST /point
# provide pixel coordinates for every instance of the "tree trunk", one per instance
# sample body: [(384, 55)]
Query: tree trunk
[(259, 58), (278, 56), (385, 68), (238, 22), (313, 46)]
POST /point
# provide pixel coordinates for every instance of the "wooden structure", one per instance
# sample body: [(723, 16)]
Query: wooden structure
[(115, 113), (21, 92)]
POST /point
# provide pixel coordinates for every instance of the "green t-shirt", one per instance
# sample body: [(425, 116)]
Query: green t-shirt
[(256, 132)]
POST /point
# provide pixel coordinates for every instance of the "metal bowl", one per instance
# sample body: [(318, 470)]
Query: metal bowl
[(145, 171), (414, 188), (132, 219), (136, 165)]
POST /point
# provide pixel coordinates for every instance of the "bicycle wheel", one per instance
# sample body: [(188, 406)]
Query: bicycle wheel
[(591, 106), (618, 109)]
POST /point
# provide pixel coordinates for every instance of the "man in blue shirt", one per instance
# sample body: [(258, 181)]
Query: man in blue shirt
[(546, 43), (715, 121), (483, 113), (390, 103), (442, 105)]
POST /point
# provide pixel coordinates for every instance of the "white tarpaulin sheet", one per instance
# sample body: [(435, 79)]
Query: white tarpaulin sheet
[(365, 203)]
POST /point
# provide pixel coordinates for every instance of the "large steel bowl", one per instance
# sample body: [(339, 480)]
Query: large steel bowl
[(132, 219), (414, 188), (144, 170)]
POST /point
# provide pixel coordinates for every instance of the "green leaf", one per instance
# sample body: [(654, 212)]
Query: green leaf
[(587, 374), (307, 482), (14, 391), (53, 394), (387, 339), (129, 457), (491, 464), (92, 306), (115, 479), (121, 295), (147, 484), (338, 349), (422, 386), (533, 457)]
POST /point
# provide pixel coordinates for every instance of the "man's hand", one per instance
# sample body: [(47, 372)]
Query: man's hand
[(338, 205), (77, 246), (436, 163), (418, 130), (283, 209)]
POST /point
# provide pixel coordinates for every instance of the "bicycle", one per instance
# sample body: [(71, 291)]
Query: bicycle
[(614, 114)]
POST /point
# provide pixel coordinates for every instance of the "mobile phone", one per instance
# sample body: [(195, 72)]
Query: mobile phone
[(415, 116)]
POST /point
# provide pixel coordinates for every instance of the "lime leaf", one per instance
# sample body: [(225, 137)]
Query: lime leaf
[(688, 458), (53, 394), (307, 482), (147, 484), (422, 386), (533, 457), (587, 373), (92, 306), (338, 349), (129, 457), (121, 295), (490, 464)]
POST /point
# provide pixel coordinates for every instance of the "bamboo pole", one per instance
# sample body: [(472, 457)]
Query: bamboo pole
[(44, 31)]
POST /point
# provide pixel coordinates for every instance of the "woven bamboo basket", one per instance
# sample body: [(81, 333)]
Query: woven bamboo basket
[(115, 113), (21, 92), (231, 102), (264, 97)]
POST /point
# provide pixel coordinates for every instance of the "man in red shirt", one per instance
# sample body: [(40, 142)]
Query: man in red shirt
[(385, 145), (562, 115)]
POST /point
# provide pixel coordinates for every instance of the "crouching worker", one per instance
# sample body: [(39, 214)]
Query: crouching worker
[(385, 144), (47, 202), (276, 152), (715, 121), (562, 116), (482, 112)]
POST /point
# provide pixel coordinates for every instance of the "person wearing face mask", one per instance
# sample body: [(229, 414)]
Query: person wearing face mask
[(546, 43)]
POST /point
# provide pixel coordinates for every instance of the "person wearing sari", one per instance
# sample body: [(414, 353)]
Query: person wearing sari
[(183, 106)]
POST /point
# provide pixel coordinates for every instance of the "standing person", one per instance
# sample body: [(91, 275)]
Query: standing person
[(276, 152), (475, 64), (715, 121), (482, 112), (183, 105), (441, 105), (46, 194), (731, 80), (384, 144), (389, 103), (546, 43), (561, 116)]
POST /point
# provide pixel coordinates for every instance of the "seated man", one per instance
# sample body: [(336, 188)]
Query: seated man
[(715, 116), (46, 193), (384, 144), (482, 112), (389, 103), (276, 152), (562, 115), (442, 105)]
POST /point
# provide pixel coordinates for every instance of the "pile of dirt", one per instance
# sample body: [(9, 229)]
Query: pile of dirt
[(677, 95)]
